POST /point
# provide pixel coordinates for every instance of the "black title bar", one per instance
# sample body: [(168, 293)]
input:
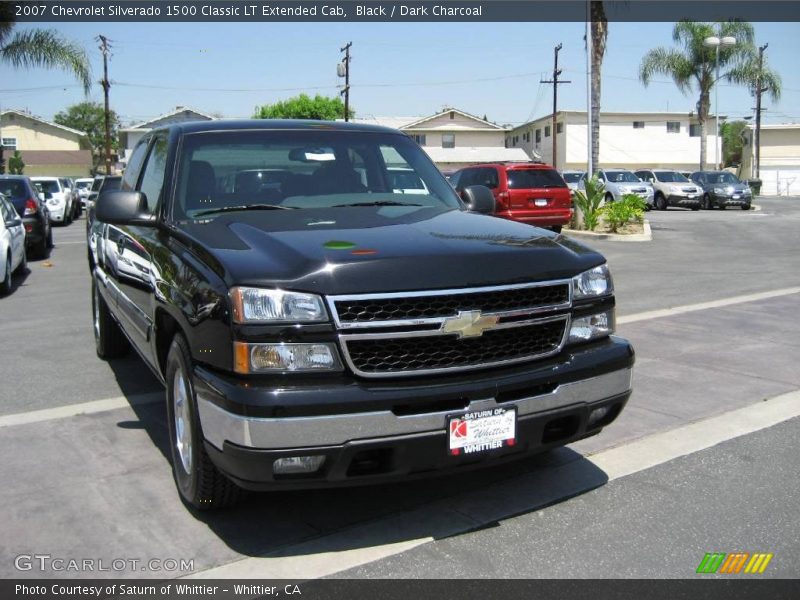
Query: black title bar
[(427, 11)]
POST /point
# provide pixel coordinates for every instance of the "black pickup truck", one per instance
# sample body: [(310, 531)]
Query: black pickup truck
[(317, 320)]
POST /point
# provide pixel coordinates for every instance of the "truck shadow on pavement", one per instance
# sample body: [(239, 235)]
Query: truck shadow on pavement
[(295, 523)]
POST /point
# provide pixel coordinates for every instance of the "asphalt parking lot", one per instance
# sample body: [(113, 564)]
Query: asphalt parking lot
[(710, 305)]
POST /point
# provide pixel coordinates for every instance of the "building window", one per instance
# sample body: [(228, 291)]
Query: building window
[(538, 136), (638, 124), (559, 127), (694, 130), (448, 140), (547, 131), (673, 126), (452, 115), (10, 143), (419, 138)]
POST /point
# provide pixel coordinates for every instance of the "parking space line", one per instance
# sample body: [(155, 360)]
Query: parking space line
[(83, 408), (687, 308), (313, 559)]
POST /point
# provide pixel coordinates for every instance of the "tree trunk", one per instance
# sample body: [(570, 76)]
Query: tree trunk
[(703, 106), (599, 37)]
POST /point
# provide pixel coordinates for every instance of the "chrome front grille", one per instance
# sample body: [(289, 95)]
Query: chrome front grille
[(417, 333)]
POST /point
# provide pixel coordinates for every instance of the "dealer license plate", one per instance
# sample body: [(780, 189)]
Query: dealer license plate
[(691, 196), (540, 202), (736, 196), (482, 431)]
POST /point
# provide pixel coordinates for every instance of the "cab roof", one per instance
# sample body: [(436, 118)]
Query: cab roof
[(272, 124)]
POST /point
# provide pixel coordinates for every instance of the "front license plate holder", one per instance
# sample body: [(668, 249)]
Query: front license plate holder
[(481, 431)]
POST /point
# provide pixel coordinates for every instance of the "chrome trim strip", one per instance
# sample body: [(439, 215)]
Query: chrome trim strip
[(331, 300), (219, 425), (344, 338)]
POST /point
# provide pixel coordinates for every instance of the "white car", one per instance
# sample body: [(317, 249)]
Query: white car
[(58, 200), (84, 186), (12, 244)]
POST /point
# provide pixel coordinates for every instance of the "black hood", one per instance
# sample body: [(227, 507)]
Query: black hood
[(378, 249)]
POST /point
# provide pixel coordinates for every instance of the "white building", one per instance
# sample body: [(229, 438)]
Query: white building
[(454, 138), (780, 159), (632, 140), (130, 136)]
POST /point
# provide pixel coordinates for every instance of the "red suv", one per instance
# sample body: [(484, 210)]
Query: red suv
[(528, 192)]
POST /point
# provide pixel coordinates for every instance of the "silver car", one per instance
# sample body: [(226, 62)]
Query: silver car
[(672, 188), (621, 182)]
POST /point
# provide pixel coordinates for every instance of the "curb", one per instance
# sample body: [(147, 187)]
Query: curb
[(647, 236)]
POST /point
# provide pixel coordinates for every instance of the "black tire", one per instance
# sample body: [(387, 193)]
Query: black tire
[(661, 202), (707, 202), (201, 485), (5, 284), (609, 198), (696, 207), (50, 243), (42, 248), (745, 207), (556, 228), (67, 216), (723, 206), (109, 340)]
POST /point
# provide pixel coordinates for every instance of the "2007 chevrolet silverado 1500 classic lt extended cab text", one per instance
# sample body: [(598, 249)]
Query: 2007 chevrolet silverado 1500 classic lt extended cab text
[(316, 324)]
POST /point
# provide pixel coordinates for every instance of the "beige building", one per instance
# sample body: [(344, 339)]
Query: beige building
[(780, 159), (454, 138), (130, 136), (629, 140), (46, 148)]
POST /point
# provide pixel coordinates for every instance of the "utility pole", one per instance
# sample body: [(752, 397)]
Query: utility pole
[(556, 83), (104, 48), (346, 91), (759, 90)]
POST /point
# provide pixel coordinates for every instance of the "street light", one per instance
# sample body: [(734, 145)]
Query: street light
[(715, 42)]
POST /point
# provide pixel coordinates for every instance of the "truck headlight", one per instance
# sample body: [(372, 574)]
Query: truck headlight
[(282, 357), (256, 305), (592, 327), (592, 283)]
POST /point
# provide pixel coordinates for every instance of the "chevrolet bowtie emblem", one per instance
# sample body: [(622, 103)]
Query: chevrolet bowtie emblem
[(469, 323)]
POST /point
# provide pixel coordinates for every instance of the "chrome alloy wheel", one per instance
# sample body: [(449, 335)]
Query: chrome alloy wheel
[(181, 416)]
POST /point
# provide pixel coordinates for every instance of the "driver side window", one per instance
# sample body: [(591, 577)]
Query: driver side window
[(154, 171)]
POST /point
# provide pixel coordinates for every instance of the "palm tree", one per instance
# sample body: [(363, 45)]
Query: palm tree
[(694, 64), (40, 48), (599, 39)]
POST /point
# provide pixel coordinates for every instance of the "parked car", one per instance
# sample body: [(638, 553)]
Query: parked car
[(573, 178), (59, 201), (33, 210), (671, 189), (84, 186), (620, 182), (723, 189), (532, 193), (332, 332), (12, 244), (69, 187)]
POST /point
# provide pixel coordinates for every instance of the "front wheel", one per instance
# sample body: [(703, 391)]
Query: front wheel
[(707, 202), (5, 284), (745, 207), (556, 228), (661, 202), (200, 483), (609, 198)]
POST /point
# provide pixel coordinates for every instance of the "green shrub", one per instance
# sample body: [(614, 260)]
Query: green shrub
[(629, 208), (588, 201)]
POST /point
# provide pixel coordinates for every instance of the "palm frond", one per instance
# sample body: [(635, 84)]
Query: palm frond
[(666, 61), (46, 48), (748, 74)]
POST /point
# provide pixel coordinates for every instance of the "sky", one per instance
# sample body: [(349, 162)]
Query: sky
[(398, 69)]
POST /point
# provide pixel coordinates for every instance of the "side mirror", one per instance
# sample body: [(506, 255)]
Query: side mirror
[(14, 222), (479, 199), (123, 208)]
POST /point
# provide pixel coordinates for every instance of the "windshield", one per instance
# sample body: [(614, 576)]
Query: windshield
[(524, 179), (111, 183), (235, 170), (621, 177), (670, 177), (723, 177), (96, 184), (83, 185), (49, 186), (572, 177)]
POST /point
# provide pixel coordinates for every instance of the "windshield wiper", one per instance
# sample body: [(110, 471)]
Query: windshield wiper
[(223, 209), (377, 203)]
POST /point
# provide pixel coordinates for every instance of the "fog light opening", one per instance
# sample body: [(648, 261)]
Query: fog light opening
[(298, 464), (602, 416)]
